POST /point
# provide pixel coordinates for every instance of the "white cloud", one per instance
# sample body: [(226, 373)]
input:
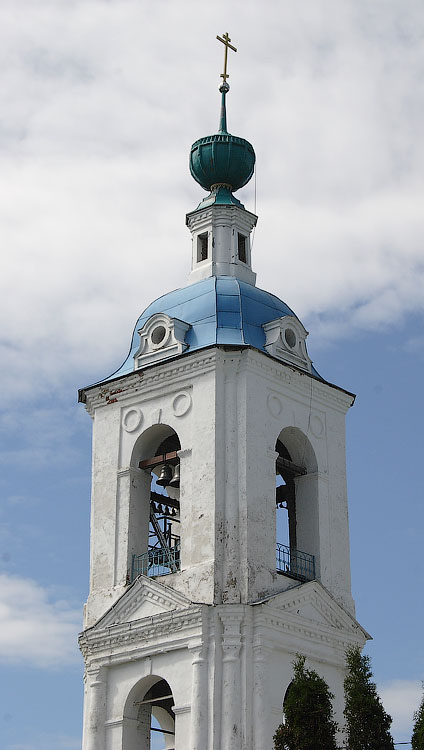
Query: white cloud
[(101, 102), (400, 699), (36, 628)]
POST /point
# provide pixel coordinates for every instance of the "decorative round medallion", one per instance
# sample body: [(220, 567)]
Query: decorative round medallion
[(181, 404), (317, 426), (132, 419), (275, 407)]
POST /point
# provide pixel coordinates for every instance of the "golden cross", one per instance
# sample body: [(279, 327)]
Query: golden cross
[(226, 40)]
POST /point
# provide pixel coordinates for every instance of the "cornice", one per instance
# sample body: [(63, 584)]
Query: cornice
[(231, 614), (285, 624), (327, 612), (126, 653), (294, 379), (281, 613), (182, 368), (143, 589), (141, 633), (223, 212), (181, 709), (275, 624), (146, 381)]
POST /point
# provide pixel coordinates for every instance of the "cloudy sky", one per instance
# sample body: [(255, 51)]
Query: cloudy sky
[(101, 100)]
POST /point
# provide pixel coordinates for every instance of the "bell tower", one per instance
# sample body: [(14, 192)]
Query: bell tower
[(219, 522)]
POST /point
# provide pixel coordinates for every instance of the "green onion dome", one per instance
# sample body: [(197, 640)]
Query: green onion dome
[(222, 159)]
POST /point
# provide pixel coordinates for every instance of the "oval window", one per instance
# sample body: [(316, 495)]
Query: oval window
[(158, 334), (290, 337)]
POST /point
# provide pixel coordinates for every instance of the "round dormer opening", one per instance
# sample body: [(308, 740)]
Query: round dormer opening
[(290, 338), (157, 335)]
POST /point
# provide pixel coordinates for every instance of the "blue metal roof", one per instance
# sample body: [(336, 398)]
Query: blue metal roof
[(220, 310)]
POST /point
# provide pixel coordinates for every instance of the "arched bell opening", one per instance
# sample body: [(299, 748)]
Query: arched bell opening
[(149, 719), (157, 501), (285, 497), (296, 496)]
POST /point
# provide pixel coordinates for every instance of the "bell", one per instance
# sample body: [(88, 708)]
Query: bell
[(175, 481), (165, 476)]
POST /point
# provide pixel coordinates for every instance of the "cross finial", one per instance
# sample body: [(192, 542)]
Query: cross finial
[(225, 39)]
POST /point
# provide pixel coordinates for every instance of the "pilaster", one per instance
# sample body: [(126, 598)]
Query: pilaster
[(231, 725), (261, 698), (95, 708), (231, 533), (199, 695)]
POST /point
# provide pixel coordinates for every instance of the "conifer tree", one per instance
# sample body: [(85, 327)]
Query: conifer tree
[(308, 713), (367, 723), (418, 731)]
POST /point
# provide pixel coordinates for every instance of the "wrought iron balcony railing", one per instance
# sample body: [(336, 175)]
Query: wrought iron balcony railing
[(293, 562), (161, 561), (158, 561)]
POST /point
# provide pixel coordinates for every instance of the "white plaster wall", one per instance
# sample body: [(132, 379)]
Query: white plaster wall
[(106, 427), (330, 666), (339, 542), (228, 416), (122, 691), (228, 672), (278, 399), (120, 490), (257, 477), (198, 496)]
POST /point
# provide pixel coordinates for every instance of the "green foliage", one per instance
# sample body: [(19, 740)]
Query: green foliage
[(418, 731), (367, 723), (308, 712)]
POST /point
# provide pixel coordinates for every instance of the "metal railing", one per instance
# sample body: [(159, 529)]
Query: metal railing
[(158, 561), (295, 563)]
